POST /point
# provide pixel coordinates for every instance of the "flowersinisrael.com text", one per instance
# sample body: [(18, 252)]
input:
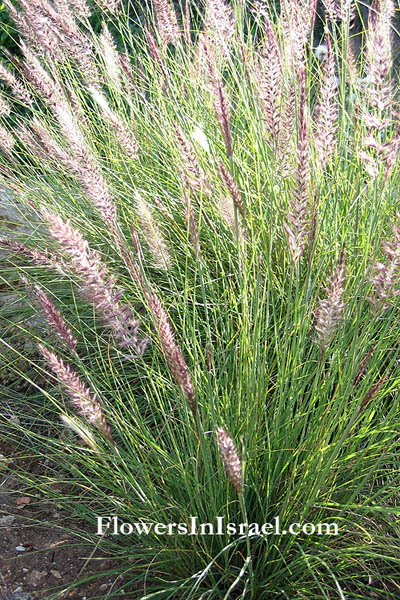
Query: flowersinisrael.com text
[(219, 526)]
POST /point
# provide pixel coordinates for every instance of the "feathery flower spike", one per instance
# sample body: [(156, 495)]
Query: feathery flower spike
[(232, 462), (53, 315), (85, 402), (386, 280), (328, 110), (330, 311)]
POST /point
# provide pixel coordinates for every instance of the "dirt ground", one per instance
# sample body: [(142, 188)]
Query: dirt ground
[(36, 561)]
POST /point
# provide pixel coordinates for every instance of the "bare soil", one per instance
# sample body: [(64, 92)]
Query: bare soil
[(38, 560)]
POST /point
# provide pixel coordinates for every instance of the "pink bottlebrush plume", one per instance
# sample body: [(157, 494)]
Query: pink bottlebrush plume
[(220, 102), (49, 91), (41, 145), (386, 280), (80, 7), (297, 20), (195, 175), (326, 125), (111, 6), (121, 129), (379, 55), (173, 355), (329, 313), (233, 189), (45, 258), (299, 222), (159, 251), (126, 65), (163, 209), (80, 161), (37, 27), (340, 10), (85, 402), (54, 317), (16, 86), (377, 90), (20, 21), (389, 151), (110, 56), (187, 25), (268, 76), (7, 141), (372, 392), (58, 32), (98, 286), (363, 365), (285, 147), (231, 459), (167, 24), (352, 70), (220, 24), (5, 108), (155, 53)]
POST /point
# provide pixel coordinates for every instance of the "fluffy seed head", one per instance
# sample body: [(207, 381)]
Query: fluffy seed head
[(152, 233), (232, 462), (330, 311), (85, 402)]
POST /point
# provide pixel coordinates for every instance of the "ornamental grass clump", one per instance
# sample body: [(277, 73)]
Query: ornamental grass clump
[(184, 181)]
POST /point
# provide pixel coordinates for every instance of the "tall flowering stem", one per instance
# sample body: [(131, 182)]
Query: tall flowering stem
[(16, 86), (85, 402), (340, 10), (268, 75), (377, 90), (222, 111), (167, 23), (233, 189), (153, 235), (328, 110), (154, 51), (231, 459), (299, 222), (194, 175), (220, 23), (386, 279), (173, 355), (54, 317), (82, 164), (220, 102), (329, 313), (45, 258), (97, 286), (372, 392), (172, 352), (122, 131)]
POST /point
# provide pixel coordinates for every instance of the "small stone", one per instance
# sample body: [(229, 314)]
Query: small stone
[(22, 500), (55, 573), (103, 587), (18, 594), (7, 520), (35, 577)]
